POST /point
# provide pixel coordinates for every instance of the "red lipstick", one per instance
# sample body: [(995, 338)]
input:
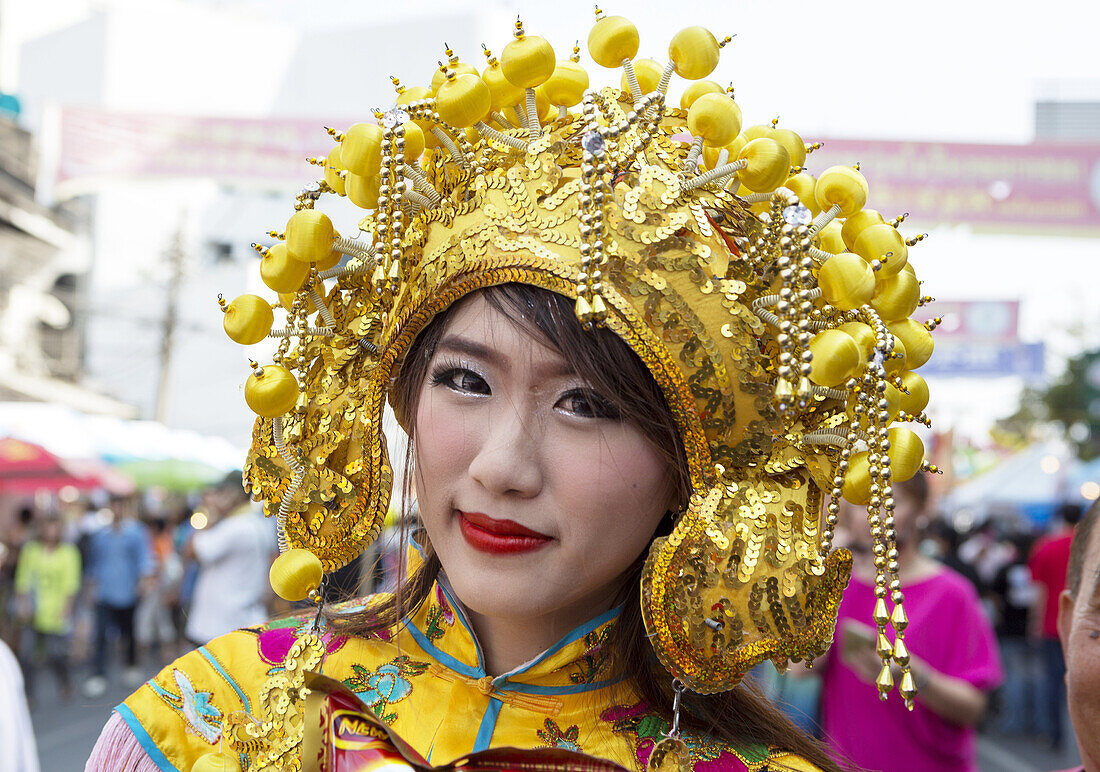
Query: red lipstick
[(498, 537)]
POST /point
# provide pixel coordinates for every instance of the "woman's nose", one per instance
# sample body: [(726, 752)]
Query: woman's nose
[(507, 462)]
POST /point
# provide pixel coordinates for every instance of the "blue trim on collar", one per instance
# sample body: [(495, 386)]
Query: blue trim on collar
[(439, 656), (217, 666), (571, 637), (570, 689), (488, 725), (460, 612), (151, 750)]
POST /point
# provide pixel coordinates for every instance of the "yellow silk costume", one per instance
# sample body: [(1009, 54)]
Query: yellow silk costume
[(429, 684)]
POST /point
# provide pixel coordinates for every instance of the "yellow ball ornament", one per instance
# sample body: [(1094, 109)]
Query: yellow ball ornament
[(503, 92), (857, 480), (917, 340), (612, 39), (309, 236), (855, 225), (458, 68), (846, 281), (768, 165), (295, 574), (567, 85), (836, 358), (248, 319), (716, 118), (648, 73), (831, 240), (528, 61), (333, 167), (896, 296), (906, 453), (863, 335), (694, 53), (841, 186), (414, 141), (361, 148), (280, 272), (802, 185), (286, 300), (696, 90), (882, 242), (915, 397), (417, 94), (362, 191), (216, 762), (463, 100), (793, 143), (756, 132), (271, 391), (896, 363), (334, 257), (893, 401)]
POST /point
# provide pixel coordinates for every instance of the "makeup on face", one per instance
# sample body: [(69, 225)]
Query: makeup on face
[(498, 536)]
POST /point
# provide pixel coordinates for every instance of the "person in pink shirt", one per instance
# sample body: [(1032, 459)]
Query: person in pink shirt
[(955, 662), (1079, 632)]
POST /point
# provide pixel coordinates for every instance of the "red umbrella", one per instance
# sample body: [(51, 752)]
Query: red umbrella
[(26, 468)]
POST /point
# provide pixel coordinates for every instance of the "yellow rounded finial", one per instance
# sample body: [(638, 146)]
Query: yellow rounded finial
[(841, 186), (271, 391), (793, 143), (694, 53), (914, 399), (612, 39), (916, 339), (567, 85), (216, 762), (457, 67), (333, 168), (716, 118), (463, 100), (247, 320), (857, 223), (361, 149), (884, 243), (846, 281), (768, 165), (528, 61), (648, 73), (906, 453), (696, 90), (362, 190), (295, 574), (280, 272), (896, 296), (802, 185), (836, 358), (309, 236)]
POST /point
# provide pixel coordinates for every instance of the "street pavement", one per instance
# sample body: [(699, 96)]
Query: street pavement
[(66, 732)]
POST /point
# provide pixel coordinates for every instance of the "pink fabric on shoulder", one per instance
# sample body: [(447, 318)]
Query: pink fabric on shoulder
[(118, 750)]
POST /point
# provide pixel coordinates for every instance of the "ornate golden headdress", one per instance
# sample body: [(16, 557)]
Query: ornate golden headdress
[(771, 307)]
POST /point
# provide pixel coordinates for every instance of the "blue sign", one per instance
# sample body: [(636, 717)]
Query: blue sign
[(975, 359)]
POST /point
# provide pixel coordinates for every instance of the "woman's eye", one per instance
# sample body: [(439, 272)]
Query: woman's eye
[(460, 379), (587, 404)]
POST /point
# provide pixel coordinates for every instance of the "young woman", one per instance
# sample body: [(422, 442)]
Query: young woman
[(625, 393)]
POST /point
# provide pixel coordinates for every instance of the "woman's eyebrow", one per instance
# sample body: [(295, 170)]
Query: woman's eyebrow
[(456, 344)]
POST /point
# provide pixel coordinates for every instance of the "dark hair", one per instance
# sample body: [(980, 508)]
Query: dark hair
[(1082, 535), (740, 716)]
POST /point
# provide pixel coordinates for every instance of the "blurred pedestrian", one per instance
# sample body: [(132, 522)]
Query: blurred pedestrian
[(1014, 594), (233, 552), (954, 658), (153, 623), (18, 751), (1079, 633), (121, 568), (11, 543), (1048, 564), (47, 581)]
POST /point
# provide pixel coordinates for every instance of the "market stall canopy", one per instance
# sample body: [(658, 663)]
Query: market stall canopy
[(28, 468)]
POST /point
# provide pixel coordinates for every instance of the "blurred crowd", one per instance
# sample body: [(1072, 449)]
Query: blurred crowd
[(104, 591), (96, 594)]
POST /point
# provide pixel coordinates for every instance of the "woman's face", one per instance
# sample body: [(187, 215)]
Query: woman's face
[(535, 496)]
